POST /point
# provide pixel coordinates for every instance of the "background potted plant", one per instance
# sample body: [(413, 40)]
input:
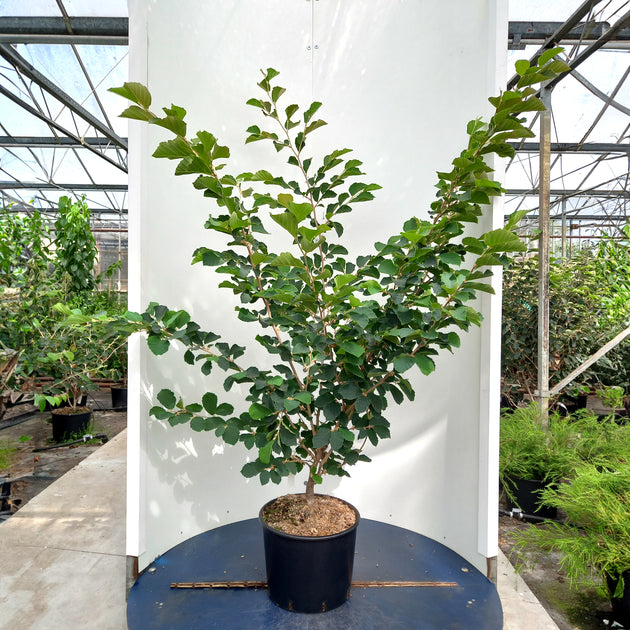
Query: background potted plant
[(531, 458), (595, 539), (341, 333), (72, 359)]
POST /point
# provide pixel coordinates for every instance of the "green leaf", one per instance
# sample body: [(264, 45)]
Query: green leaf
[(290, 404), (299, 210), (426, 364), (515, 218), (174, 149), (522, 65), (549, 54), (286, 259), (450, 258), (157, 412), (403, 363), (352, 348), (258, 411), (231, 434), (135, 92), (167, 398), (343, 279), (304, 397), (388, 267), (172, 123), (504, 240), (310, 112), (157, 345), (336, 440), (287, 221), (224, 409), (209, 402), (321, 438), (251, 469), (137, 113), (350, 391), (264, 454)]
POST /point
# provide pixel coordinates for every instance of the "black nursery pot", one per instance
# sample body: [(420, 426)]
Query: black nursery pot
[(309, 574), (65, 425), (119, 397), (527, 495), (620, 605)]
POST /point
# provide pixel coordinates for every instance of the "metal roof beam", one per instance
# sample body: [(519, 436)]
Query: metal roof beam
[(47, 142), (521, 34), (111, 31), (25, 68), (50, 186), (557, 35), (558, 192), (114, 31), (57, 126), (568, 147), (615, 218)]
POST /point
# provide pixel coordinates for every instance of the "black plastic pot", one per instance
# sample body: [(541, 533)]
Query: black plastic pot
[(309, 574), (67, 425), (527, 497), (620, 605), (119, 397)]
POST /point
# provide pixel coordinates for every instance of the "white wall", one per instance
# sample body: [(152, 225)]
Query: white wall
[(399, 80)]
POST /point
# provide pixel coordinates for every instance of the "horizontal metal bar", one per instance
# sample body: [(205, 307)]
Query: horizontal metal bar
[(112, 31), (612, 218), (558, 192), (115, 31), (574, 147), (543, 30), (33, 142), (55, 186)]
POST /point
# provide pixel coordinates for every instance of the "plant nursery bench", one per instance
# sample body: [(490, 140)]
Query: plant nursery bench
[(402, 580)]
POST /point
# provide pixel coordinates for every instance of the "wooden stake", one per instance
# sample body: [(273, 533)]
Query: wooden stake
[(357, 584)]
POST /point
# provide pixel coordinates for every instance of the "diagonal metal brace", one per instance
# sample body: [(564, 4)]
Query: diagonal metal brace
[(34, 75)]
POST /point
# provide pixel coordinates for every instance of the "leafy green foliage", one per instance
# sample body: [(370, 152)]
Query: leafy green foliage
[(595, 540), (589, 304), (34, 276), (76, 252), (343, 332), (528, 451)]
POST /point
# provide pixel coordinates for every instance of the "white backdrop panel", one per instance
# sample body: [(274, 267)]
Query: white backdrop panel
[(399, 81)]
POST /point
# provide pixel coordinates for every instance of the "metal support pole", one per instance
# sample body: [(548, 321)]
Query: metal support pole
[(564, 229), (543, 257)]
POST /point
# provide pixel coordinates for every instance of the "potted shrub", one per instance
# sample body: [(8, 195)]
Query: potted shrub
[(72, 359), (341, 333), (595, 539), (531, 458)]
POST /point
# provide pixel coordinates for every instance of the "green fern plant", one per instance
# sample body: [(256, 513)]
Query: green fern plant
[(594, 542)]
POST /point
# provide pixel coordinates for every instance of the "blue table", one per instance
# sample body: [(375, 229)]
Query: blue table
[(383, 552)]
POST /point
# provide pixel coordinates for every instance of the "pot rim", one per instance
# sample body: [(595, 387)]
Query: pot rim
[(79, 411), (279, 532)]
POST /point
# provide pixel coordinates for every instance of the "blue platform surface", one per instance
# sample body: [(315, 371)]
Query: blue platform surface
[(383, 552)]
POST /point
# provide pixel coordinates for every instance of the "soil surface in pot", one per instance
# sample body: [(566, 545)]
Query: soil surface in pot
[(69, 411), (322, 515)]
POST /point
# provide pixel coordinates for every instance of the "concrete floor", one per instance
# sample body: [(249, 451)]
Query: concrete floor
[(62, 556)]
